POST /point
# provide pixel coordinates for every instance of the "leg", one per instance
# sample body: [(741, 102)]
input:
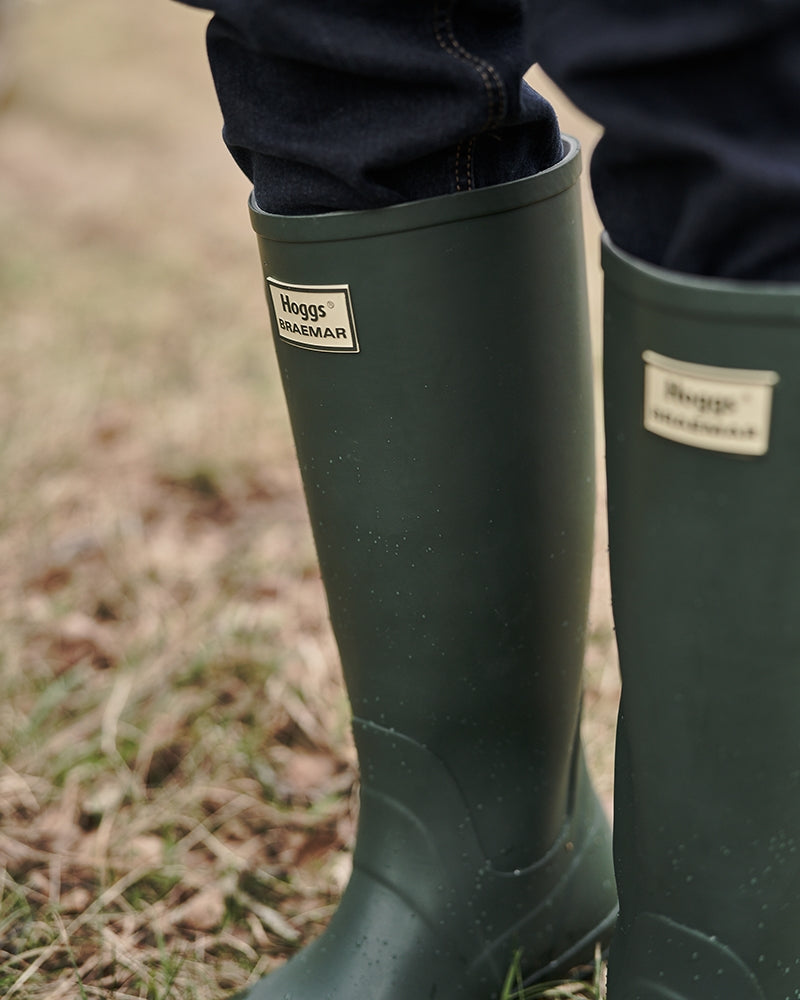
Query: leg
[(358, 104), (444, 431), (698, 171), (699, 166)]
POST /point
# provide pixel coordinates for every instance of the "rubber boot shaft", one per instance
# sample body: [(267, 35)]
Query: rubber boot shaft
[(436, 366), (705, 543)]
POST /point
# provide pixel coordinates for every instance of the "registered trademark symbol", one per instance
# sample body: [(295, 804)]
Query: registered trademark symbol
[(330, 304)]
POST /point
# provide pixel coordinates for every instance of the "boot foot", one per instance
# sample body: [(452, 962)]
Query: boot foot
[(663, 960), (426, 915)]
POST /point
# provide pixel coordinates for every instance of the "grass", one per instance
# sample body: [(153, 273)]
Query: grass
[(582, 989), (176, 775)]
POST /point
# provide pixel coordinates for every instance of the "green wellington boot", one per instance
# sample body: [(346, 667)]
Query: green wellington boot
[(436, 367), (703, 439)]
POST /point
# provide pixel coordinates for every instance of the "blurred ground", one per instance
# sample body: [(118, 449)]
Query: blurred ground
[(174, 762)]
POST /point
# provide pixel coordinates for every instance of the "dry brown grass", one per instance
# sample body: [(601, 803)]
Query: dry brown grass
[(175, 770)]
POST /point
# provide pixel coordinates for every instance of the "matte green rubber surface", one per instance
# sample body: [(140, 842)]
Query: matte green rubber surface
[(705, 557), (448, 468)]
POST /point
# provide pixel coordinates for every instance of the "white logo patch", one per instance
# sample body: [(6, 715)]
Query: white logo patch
[(317, 317), (720, 409)]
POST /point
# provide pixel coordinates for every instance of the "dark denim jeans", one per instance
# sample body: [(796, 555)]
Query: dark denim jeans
[(351, 104)]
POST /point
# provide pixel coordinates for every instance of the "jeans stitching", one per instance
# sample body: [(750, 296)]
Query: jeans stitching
[(470, 174), (468, 181), (492, 83)]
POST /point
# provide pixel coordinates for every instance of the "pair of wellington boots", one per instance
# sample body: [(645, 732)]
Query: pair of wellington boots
[(436, 364)]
